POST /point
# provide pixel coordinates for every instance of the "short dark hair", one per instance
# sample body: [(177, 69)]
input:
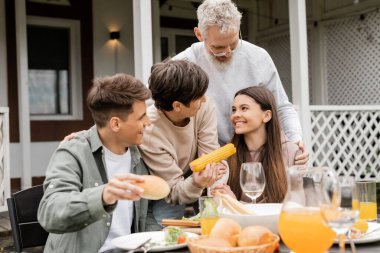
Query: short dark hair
[(173, 80), (114, 96)]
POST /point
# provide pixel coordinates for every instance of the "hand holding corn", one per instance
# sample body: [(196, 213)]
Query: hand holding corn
[(215, 156)]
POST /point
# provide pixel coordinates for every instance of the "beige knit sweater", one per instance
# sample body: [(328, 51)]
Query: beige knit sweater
[(168, 149)]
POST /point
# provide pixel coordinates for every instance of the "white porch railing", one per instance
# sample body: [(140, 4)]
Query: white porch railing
[(347, 138), (4, 158)]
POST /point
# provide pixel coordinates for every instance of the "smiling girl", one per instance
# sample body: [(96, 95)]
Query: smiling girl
[(258, 138)]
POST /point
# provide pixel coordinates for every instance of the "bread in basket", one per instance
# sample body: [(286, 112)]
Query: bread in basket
[(196, 247)]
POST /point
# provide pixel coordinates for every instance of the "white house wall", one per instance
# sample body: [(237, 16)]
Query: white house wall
[(40, 153), (113, 15)]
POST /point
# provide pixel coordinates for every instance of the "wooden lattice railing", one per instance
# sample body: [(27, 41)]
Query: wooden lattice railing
[(4, 158), (347, 138)]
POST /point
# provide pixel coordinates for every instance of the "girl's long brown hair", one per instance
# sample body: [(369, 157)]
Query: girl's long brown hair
[(271, 155)]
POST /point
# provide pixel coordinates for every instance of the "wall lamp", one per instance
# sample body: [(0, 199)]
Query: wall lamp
[(114, 35)]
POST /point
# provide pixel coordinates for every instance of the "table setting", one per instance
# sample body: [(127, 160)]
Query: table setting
[(338, 210)]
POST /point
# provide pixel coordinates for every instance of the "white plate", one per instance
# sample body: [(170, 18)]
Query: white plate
[(131, 241), (373, 237)]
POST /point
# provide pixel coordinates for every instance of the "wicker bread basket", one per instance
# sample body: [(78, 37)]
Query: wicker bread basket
[(264, 248)]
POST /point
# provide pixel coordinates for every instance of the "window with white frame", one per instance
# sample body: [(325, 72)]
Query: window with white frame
[(54, 75)]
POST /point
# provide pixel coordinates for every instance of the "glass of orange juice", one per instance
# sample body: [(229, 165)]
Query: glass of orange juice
[(301, 225), (367, 199), (208, 209)]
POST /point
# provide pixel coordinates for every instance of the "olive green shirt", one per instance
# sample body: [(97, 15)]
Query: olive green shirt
[(71, 209)]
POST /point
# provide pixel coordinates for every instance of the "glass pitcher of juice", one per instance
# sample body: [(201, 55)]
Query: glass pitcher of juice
[(301, 225)]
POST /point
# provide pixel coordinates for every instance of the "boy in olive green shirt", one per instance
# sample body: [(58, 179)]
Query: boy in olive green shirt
[(89, 196)]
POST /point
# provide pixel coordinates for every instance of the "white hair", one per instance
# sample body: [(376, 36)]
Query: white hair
[(222, 13)]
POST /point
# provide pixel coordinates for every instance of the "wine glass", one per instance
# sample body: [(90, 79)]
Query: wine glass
[(252, 180), (338, 208)]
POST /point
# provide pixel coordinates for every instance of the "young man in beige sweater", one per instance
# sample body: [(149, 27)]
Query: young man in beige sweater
[(183, 127)]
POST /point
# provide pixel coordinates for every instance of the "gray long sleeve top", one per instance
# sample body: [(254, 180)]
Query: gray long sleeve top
[(250, 65)]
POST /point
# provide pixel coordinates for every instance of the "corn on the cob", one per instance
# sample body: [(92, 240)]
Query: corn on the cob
[(215, 156)]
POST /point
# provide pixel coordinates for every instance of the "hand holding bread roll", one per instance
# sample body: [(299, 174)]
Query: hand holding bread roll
[(121, 187), (154, 187)]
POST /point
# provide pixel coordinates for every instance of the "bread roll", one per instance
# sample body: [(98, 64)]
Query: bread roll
[(154, 187), (213, 242), (226, 229), (254, 235)]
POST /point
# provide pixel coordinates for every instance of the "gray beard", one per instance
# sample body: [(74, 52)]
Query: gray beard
[(218, 64)]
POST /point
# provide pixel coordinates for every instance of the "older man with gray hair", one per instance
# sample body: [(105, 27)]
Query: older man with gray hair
[(233, 64)]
